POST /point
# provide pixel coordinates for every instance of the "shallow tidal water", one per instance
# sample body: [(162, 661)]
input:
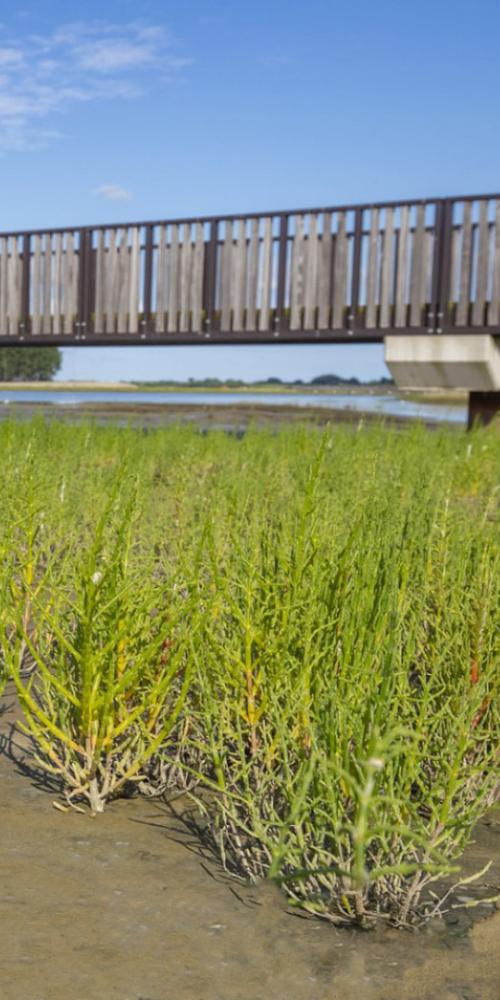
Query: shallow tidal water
[(127, 906), (380, 405)]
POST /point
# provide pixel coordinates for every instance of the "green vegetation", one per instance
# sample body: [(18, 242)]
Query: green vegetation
[(301, 627), (277, 384), (38, 364)]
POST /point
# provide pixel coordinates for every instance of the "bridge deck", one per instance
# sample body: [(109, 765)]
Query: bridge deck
[(341, 274)]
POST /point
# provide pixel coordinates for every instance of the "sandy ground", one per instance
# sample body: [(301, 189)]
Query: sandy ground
[(125, 906)]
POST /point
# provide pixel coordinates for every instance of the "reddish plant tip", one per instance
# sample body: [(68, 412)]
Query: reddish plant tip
[(166, 647)]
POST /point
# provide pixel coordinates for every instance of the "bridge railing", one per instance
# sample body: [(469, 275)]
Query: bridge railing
[(329, 274)]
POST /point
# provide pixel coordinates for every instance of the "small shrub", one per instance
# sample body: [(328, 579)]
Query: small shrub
[(110, 670)]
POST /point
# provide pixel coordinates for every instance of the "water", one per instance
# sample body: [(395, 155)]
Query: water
[(383, 405)]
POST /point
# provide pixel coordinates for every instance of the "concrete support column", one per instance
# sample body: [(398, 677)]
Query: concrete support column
[(451, 361)]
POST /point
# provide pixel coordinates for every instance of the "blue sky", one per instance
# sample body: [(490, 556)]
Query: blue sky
[(115, 111)]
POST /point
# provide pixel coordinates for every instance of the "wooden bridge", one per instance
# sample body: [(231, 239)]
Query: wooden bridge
[(330, 275)]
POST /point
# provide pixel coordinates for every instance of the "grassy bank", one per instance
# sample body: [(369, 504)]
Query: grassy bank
[(301, 627), (148, 387), (448, 397)]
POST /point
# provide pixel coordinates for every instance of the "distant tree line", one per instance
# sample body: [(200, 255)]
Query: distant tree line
[(235, 383), (29, 364)]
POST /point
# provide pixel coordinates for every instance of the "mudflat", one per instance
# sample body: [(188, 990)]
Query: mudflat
[(127, 906)]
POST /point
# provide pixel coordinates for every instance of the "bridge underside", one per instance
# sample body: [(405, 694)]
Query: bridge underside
[(188, 339)]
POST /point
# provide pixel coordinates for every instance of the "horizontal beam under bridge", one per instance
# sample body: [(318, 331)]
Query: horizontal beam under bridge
[(218, 338), (356, 273)]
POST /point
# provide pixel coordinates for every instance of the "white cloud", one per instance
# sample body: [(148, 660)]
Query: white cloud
[(11, 57), (113, 192), (109, 56), (77, 63)]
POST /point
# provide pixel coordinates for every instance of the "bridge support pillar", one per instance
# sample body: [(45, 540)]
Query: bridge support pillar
[(451, 361), (483, 408)]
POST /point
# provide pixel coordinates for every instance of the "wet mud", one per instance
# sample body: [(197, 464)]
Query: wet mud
[(234, 418), (126, 906)]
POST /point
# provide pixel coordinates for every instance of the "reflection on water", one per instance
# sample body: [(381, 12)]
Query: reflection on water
[(384, 405)]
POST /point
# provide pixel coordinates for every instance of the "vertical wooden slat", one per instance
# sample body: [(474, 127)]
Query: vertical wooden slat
[(239, 276), (147, 263), (465, 267), (253, 275), (371, 284), (494, 306), (478, 309), (417, 282), (430, 236), (173, 297), (47, 284), (454, 266), (4, 262), (387, 270), (111, 282), (311, 279), (185, 268), (354, 318), (123, 281), (402, 267), (225, 277), (197, 280), (37, 283), (161, 280), (58, 280), (14, 287), (340, 273), (134, 263), (67, 284), (265, 299), (325, 270), (297, 281)]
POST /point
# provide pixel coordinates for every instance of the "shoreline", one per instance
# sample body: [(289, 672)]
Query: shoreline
[(452, 397), (229, 417)]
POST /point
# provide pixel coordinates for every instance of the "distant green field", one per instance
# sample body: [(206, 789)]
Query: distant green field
[(299, 626), (189, 387)]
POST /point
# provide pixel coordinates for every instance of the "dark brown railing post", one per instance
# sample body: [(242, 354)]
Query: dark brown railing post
[(24, 324), (88, 302), (83, 283), (353, 316), (280, 318), (210, 278), (147, 315), (438, 316), (432, 315), (91, 283), (443, 315)]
